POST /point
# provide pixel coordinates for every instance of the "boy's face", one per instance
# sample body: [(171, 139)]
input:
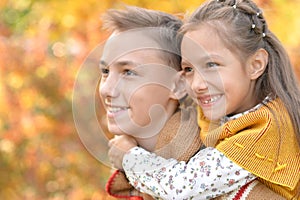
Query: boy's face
[(135, 89), (220, 83)]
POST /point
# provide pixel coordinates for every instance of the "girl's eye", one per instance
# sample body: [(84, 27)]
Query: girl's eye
[(128, 72), (212, 64), (187, 69)]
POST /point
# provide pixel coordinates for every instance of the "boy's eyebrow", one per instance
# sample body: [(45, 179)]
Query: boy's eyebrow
[(120, 63), (103, 63), (127, 62)]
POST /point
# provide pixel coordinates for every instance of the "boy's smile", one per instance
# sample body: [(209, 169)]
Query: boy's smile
[(135, 89)]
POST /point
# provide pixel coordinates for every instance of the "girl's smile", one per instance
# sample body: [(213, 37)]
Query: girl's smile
[(221, 84), (208, 100)]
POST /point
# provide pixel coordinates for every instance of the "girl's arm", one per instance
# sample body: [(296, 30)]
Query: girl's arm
[(208, 174)]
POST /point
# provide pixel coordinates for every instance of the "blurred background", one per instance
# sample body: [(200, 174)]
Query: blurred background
[(42, 46)]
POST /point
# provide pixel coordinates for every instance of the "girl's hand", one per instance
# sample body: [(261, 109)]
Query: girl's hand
[(119, 145)]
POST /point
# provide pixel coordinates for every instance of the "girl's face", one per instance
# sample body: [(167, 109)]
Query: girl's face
[(219, 82)]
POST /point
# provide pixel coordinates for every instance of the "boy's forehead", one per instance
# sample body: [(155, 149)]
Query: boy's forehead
[(122, 43)]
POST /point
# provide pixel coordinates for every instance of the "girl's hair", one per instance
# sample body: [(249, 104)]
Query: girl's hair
[(243, 29)]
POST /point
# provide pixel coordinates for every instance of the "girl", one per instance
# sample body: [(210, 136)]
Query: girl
[(243, 82)]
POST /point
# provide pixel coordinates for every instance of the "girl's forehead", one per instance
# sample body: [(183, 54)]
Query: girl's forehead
[(201, 39), (209, 28), (203, 44)]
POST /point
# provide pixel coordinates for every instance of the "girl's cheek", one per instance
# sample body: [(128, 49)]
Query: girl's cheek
[(189, 90)]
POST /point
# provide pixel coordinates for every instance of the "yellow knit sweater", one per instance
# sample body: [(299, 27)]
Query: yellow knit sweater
[(262, 142)]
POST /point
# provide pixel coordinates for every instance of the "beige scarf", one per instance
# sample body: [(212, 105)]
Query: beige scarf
[(174, 143)]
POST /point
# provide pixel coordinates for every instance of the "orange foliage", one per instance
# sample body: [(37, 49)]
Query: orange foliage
[(42, 45)]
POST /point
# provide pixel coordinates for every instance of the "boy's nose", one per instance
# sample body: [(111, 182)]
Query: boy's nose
[(109, 87)]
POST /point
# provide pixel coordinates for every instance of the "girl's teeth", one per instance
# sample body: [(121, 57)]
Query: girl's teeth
[(211, 100)]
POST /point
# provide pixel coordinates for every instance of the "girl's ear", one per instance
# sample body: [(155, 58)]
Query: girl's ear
[(258, 63), (179, 87)]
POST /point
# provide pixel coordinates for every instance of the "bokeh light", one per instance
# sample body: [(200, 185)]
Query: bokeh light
[(42, 45)]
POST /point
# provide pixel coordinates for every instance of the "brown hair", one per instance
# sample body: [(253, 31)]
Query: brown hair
[(243, 28), (135, 18)]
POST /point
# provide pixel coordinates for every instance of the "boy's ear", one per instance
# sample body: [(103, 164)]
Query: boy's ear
[(178, 88), (258, 63)]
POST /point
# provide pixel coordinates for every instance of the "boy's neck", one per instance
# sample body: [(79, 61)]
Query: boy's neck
[(148, 143)]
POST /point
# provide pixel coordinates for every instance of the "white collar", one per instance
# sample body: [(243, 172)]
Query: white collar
[(229, 118)]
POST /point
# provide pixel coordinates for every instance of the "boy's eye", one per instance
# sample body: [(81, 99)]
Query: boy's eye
[(128, 72), (212, 64)]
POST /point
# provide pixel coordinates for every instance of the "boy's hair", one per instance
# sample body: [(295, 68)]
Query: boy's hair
[(137, 18), (243, 29)]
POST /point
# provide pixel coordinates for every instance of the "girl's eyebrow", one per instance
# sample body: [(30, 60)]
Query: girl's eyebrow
[(202, 59), (185, 62)]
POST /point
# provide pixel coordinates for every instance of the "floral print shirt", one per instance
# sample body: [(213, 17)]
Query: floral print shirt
[(207, 175)]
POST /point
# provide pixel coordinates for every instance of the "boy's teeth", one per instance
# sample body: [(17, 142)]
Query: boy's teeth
[(113, 110)]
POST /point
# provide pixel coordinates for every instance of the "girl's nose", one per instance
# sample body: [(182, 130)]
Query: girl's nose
[(199, 84)]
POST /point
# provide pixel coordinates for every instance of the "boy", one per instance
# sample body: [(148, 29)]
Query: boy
[(139, 69)]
